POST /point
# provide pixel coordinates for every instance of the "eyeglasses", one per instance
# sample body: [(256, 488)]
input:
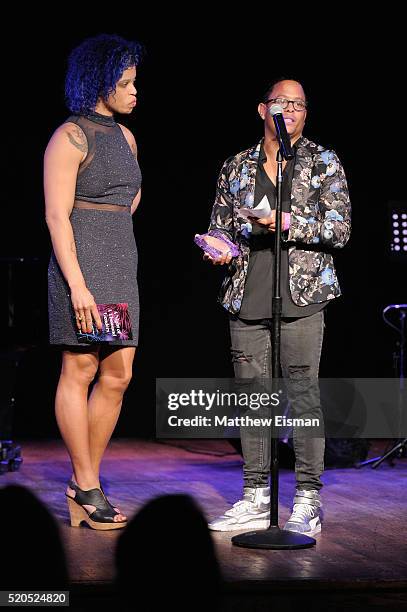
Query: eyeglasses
[(298, 105)]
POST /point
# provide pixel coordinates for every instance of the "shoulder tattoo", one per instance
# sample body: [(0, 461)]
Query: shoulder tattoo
[(78, 139)]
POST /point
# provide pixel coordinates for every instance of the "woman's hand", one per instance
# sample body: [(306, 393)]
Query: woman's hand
[(226, 256), (85, 309)]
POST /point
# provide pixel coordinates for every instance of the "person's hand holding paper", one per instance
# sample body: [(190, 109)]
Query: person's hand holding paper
[(264, 216)]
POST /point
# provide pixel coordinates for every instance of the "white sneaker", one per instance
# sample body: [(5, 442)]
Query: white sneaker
[(306, 514), (251, 512)]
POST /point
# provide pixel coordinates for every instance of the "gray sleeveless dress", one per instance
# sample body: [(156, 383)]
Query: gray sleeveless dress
[(104, 239)]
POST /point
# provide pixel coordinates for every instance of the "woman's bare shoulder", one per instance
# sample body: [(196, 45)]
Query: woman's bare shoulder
[(69, 135)]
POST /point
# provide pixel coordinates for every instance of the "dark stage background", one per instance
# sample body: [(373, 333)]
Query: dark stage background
[(198, 90)]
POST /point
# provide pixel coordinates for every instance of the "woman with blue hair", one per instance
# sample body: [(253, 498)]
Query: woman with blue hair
[(92, 187)]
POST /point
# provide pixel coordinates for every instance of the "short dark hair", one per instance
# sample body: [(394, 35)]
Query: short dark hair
[(95, 66), (273, 83)]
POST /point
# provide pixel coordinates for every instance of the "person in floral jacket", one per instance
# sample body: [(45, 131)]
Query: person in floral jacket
[(316, 222)]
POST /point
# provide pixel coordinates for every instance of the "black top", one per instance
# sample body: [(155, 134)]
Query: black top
[(110, 173), (257, 297)]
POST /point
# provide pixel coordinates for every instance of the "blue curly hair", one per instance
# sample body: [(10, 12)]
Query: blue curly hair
[(95, 66)]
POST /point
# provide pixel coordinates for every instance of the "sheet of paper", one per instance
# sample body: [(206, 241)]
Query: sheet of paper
[(262, 209)]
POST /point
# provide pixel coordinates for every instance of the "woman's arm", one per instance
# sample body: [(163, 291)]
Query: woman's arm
[(136, 201), (65, 151)]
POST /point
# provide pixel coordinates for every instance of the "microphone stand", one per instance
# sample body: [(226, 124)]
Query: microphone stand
[(400, 444), (274, 537)]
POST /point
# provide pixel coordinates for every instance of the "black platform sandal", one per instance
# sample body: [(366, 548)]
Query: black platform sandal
[(114, 508), (102, 518)]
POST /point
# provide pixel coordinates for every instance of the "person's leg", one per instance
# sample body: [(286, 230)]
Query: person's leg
[(301, 344), (105, 401), (93, 428), (251, 356), (250, 347), (71, 411)]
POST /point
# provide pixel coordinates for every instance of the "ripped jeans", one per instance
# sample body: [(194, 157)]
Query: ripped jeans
[(301, 343)]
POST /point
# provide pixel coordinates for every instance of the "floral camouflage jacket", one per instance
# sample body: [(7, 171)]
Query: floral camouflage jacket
[(320, 222)]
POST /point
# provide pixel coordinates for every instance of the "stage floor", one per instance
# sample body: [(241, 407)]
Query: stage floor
[(362, 545)]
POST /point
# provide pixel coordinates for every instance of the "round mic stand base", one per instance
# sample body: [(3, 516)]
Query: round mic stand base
[(273, 538)]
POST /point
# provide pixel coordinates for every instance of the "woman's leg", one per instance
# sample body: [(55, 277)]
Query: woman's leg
[(71, 410), (115, 372)]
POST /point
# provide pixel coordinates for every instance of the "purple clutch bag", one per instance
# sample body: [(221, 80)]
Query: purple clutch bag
[(199, 239)]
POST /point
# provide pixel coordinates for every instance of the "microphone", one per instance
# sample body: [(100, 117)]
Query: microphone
[(276, 112)]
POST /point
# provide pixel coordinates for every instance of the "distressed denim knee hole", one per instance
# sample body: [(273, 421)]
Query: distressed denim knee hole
[(240, 356), (299, 371)]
